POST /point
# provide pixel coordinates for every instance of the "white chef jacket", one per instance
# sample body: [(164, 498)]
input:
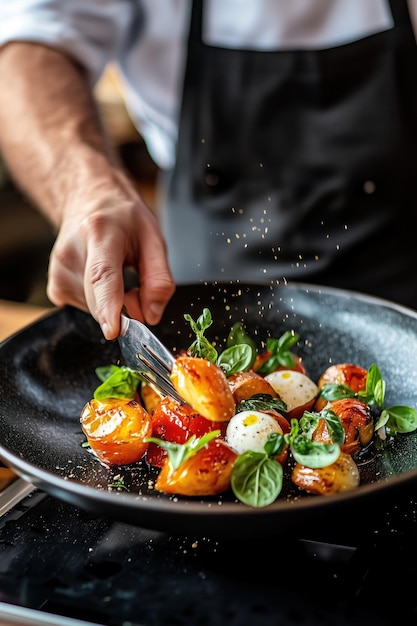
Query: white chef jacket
[(147, 40)]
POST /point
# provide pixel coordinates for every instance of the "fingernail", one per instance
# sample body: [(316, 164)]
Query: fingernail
[(105, 328)]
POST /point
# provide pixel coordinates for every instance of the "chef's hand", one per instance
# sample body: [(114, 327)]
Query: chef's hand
[(71, 172), (102, 232)]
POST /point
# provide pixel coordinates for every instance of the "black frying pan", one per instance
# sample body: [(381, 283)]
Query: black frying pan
[(47, 373)]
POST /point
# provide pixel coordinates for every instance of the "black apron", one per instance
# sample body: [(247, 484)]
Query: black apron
[(299, 165)]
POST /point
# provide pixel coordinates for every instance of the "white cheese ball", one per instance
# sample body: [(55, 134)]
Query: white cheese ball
[(249, 430), (294, 388)]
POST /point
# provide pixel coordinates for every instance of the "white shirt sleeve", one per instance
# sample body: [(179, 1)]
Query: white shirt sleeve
[(148, 46), (93, 32), (147, 39)]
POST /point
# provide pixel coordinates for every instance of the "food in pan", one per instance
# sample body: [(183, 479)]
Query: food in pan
[(7, 477), (117, 429), (252, 419)]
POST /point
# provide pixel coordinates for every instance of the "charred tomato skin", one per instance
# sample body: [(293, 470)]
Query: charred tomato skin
[(204, 386), (350, 374), (206, 473), (116, 429), (176, 422), (357, 421), (244, 385)]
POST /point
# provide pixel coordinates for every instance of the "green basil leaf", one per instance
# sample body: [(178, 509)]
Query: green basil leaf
[(286, 359), (203, 322), (372, 379), (235, 359), (201, 346), (180, 452), (121, 382), (402, 419), (382, 420), (262, 402), (375, 388), (256, 479), (288, 340), (119, 484), (336, 391), (314, 454), (280, 353), (270, 365), (379, 393), (105, 371), (308, 423), (274, 445), (239, 335), (334, 426)]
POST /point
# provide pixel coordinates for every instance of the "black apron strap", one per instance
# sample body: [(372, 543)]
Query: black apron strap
[(298, 165)]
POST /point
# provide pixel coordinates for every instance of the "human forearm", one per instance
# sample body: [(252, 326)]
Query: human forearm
[(50, 132), (57, 151)]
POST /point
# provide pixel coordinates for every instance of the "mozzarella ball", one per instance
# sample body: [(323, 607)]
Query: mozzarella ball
[(297, 390), (249, 430)]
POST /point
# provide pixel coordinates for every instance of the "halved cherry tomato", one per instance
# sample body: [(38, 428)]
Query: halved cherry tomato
[(286, 428), (176, 422), (321, 433), (342, 475), (244, 385), (7, 476), (203, 386), (282, 421), (150, 397), (206, 473), (348, 374), (357, 421), (116, 429)]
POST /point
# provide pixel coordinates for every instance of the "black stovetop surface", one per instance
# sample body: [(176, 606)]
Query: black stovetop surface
[(65, 561)]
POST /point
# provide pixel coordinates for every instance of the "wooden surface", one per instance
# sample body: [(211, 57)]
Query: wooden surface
[(15, 315)]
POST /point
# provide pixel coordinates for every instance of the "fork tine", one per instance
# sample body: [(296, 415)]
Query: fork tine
[(145, 353), (153, 376), (157, 361)]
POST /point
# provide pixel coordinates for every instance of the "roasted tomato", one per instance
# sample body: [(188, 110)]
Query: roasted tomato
[(206, 473), (7, 476), (282, 421), (176, 422), (348, 374), (116, 429), (244, 385), (342, 475), (321, 433), (357, 421), (203, 386), (150, 397)]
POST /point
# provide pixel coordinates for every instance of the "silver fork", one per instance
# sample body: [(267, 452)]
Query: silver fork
[(144, 352)]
